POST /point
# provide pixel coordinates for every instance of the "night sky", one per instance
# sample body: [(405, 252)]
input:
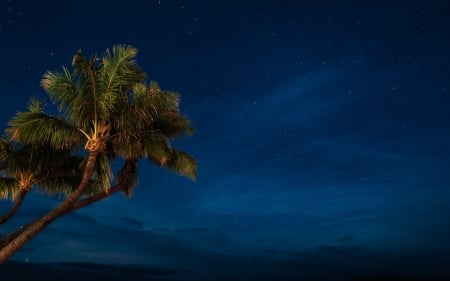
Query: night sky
[(322, 138)]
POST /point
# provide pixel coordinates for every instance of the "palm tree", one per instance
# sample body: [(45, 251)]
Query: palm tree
[(54, 172), (23, 166), (105, 105)]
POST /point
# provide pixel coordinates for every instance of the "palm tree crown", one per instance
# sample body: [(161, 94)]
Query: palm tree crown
[(106, 106)]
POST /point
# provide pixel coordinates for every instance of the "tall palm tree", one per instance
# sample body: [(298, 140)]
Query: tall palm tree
[(105, 105)]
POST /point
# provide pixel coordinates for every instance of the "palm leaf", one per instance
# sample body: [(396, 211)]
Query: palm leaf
[(38, 128), (103, 174), (61, 186), (118, 74), (161, 101), (127, 177), (83, 109), (9, 188), (183, 164), (157, 152), (120, 70), (7, 157), (172, 124), (60, 88)]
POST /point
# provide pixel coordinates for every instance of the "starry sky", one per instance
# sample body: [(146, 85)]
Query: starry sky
[(322, 132)]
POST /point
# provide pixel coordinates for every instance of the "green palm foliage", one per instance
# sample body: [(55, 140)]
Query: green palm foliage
[(21, 167), (24, 166), (105, 106)]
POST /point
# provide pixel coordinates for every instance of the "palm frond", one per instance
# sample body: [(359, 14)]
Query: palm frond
[(157, 153), (7, 157), (83, 108), (39, 128), (161, 100), (156, 148), (61, 186), (149, 101), (127, 145), (172, 124), (151, 108), (183, 164), (35, 105), (82, 65), (103, 173), (9, 188), (120, 71), (65, 180), (49, 164), (118, 74), (127, 177), (130, 120), (60, 88)]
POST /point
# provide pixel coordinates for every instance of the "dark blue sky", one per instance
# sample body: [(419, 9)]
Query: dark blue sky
[(322, 134)]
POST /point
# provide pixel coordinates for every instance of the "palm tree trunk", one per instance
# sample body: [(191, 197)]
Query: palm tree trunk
[(15, 207), (32, 230), (10, 237), (77, 205), (128, 167)]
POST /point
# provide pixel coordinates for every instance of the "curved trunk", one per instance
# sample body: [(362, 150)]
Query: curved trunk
[(8, 238), (15, 207), (77, 205), (32, 230)]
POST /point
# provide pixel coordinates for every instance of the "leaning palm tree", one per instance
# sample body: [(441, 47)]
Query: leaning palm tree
[(23, 166), (53, 172), (106, 107)]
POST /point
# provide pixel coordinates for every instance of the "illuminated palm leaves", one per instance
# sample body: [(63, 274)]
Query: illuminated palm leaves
[(23, 166), (107, 101), (150, 120), (35, 127)]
